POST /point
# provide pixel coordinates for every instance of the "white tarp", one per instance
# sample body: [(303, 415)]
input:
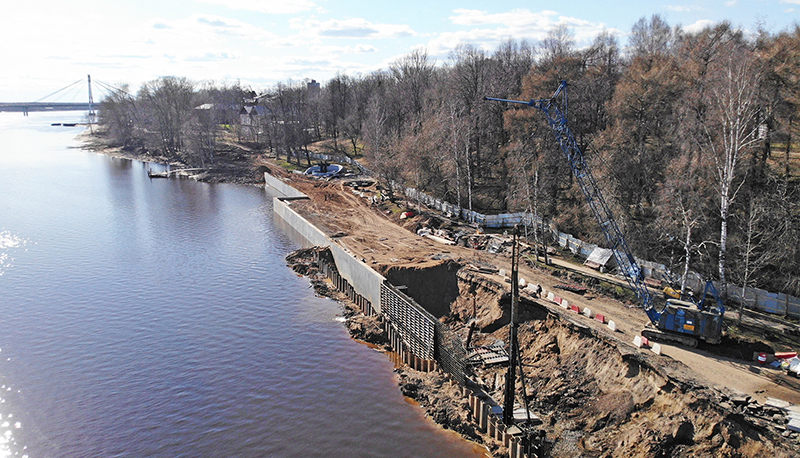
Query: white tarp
[(599, 257)]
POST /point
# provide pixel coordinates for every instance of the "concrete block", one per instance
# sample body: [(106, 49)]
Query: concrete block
[(612, 326), (656, 348), (600, 317), (588, 312), (522, 283), (777, 403), (502, 272)]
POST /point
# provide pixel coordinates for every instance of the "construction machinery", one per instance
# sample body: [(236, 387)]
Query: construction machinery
[(679, 321)]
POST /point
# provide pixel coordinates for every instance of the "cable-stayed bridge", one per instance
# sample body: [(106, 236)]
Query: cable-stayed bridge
[(62, 99)]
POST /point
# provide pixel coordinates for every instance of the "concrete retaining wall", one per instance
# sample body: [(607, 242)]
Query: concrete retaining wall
[(365, 281), (282, 188), (311, 234)]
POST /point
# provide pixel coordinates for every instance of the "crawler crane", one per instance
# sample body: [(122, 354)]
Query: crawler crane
[(679, 321)]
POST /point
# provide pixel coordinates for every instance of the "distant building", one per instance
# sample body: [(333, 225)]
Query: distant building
[(251, 119), (313, 87)]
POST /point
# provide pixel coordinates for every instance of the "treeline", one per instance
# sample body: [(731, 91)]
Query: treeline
[(690, 135)]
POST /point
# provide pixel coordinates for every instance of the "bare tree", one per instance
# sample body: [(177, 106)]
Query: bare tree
[(120, 115), (412, 75), (168, 104), (730, 129), (650, 38)]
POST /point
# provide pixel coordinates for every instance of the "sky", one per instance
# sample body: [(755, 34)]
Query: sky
[(46, 45)]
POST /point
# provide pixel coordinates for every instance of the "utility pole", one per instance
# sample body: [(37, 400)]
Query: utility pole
[(511, 376)]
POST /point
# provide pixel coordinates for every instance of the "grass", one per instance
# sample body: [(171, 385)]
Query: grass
[(291, 167)]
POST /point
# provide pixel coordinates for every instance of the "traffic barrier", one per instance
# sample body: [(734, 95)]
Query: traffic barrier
[(641, 341), (656, 348), (600, 317), (612, 326), (587, 312)]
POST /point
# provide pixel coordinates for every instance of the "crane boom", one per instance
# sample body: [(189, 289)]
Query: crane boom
[(555, 110)]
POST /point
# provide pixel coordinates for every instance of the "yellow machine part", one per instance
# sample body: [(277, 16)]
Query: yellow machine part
[(670, 292)]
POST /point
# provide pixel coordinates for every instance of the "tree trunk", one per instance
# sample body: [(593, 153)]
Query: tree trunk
[(687, 249)]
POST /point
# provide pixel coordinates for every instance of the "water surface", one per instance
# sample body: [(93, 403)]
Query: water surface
[(157, 318)]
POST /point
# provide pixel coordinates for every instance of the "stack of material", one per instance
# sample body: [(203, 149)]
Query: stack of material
[(492, 354), (791, 411)]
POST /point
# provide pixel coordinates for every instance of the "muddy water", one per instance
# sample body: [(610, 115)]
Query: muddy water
[(157, 318)]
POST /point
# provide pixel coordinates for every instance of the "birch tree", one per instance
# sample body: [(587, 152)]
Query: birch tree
[(730, 128)]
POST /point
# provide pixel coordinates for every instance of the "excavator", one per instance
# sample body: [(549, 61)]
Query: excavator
[(684, 322)]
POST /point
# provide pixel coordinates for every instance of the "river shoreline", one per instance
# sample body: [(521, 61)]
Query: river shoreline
[(228, 167)]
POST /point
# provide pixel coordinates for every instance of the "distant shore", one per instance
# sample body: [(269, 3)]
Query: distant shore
[(224, 170)]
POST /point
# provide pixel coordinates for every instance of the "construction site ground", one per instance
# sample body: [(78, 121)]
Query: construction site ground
[(381, 241), (364, 222)]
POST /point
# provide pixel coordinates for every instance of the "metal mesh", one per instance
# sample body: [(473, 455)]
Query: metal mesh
[(423, 333), (415, 324), (450, 353)]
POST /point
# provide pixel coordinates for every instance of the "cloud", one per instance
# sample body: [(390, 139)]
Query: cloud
[(698, 26), (357, 49), (524, 23), (207, 28), (685, 8), (212, 57), (351, 28), (215, 22), (266, 6), (791, 2), (517, 24)]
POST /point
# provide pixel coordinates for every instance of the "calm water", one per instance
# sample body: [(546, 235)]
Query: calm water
[(147, 317)]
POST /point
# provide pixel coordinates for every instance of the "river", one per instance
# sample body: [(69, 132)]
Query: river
[(145, 317)]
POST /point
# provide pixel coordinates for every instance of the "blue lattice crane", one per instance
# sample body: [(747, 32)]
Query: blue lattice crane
[(680, 321)]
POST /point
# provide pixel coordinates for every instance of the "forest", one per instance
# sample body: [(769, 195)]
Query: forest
[(691, 135)]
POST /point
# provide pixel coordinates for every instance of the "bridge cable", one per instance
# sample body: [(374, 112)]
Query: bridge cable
[(62, 89)]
